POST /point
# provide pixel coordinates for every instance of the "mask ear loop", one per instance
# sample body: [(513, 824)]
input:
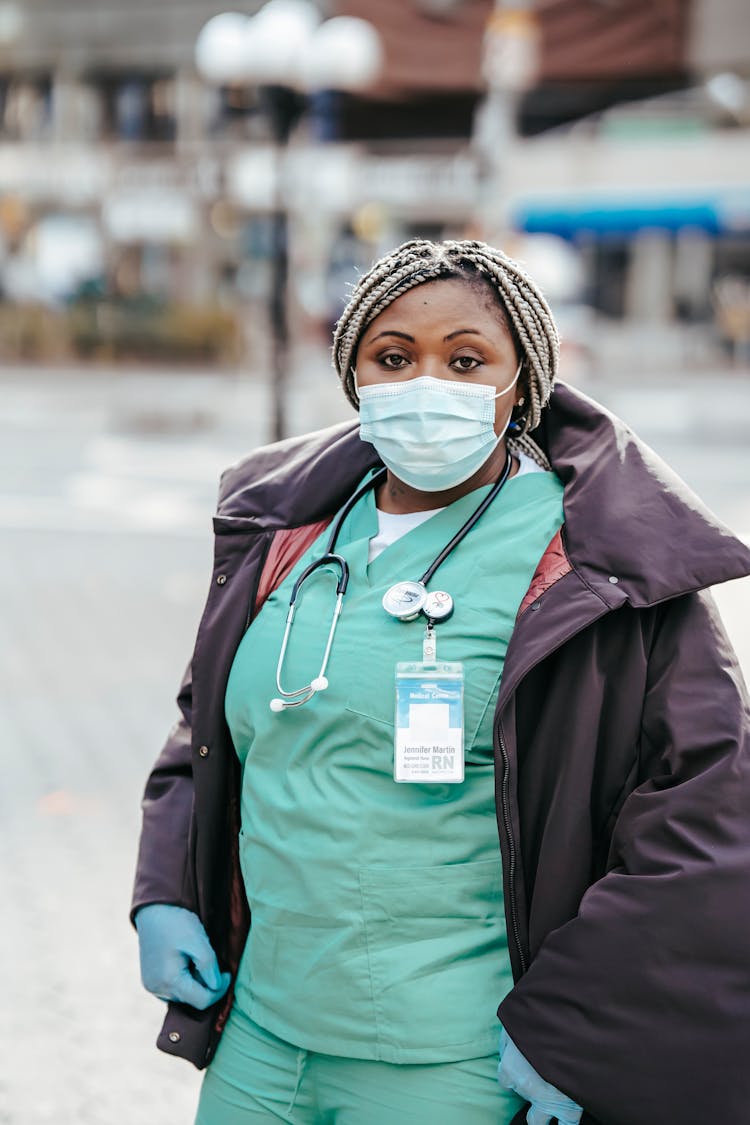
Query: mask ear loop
[(511, 385), (511, 427)]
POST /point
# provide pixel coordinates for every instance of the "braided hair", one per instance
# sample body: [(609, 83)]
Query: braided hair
[(525, 310)]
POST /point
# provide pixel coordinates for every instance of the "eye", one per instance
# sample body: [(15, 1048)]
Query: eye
[(393, 361), (466, 363)]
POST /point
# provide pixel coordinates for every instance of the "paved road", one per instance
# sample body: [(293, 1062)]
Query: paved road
[(107, 485)]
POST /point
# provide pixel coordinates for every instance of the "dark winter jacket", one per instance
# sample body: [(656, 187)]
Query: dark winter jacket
[(622, 753)]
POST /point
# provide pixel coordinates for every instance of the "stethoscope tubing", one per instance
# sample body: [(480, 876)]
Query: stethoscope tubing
[(327, 559), (371, 483), (331, 559), (475, 516)]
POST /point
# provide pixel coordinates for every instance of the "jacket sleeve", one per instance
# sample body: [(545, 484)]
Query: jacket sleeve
[(639, 1007), (164, 870)]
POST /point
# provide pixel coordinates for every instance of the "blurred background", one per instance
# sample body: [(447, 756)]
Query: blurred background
[(186, 195)]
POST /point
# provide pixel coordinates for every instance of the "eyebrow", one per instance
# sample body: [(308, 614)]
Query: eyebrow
[(393, 332), (406, 336), (463, 332)]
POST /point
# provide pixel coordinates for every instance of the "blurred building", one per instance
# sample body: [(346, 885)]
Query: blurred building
[(127, 183)]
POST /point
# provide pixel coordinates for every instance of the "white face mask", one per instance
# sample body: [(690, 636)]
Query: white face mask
[(431, 433)]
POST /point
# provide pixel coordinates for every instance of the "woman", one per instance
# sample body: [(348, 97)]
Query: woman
[(514, 771)]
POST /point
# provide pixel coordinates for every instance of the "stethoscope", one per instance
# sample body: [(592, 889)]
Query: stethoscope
[(404, 601)]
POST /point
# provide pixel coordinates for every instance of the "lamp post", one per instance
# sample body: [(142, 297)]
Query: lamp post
[(289, 53), (510, 64)]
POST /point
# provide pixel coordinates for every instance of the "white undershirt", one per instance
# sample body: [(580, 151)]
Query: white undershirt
[(392, 526)]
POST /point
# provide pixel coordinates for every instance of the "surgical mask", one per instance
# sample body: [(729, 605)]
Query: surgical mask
[(431, 433)]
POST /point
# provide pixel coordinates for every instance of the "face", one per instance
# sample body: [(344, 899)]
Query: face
[(447, 329)]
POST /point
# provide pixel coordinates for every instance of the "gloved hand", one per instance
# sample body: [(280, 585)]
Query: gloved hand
[(547, 1102), (177, 961)]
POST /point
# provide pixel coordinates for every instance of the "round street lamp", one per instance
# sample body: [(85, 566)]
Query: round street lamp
[(346, 54), (219, 49), (286, 49)]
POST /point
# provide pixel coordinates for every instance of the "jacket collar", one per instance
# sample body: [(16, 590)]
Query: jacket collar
[(628, 516), (297, 481)]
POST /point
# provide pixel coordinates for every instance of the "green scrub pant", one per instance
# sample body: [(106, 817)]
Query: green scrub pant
[(255, 1077)]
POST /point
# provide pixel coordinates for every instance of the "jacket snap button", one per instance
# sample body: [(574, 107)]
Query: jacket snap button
[(536, 605), (221, 579), (174, 1037), (203, 751), (613, 580)]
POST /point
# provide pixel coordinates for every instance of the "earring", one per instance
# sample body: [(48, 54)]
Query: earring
[(516, 425)]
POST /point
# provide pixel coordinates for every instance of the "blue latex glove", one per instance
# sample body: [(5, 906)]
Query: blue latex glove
[(177, 961), (547, 1102)]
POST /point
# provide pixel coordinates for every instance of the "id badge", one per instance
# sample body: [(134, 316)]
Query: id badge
[(429, 739)]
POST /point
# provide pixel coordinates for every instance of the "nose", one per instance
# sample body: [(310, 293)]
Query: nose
[(434, 366)]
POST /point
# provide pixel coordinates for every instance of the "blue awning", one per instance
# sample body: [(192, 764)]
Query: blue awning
[(614, 216)]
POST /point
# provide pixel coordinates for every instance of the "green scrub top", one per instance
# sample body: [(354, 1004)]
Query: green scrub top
[(378, 927)]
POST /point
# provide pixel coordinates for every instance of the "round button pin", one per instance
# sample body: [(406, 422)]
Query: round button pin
[(438, 605), (405, 600)]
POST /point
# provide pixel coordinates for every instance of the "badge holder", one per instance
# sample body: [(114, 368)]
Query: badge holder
[(429, 727), (429, 742)]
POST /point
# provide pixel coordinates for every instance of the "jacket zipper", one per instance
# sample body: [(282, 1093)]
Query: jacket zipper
[(512, 864)]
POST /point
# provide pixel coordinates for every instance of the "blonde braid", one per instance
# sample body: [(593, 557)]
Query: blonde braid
[(531, 317), (419, 261), (411, 264)]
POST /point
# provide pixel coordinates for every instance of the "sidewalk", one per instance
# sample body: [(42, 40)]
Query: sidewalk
[(90, 660), (107, 488)]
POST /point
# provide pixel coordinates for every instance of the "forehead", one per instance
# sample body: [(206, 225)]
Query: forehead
[(443, 304)]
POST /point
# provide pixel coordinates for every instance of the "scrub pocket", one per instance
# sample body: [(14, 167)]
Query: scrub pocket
[(438, 959), (482, 672)]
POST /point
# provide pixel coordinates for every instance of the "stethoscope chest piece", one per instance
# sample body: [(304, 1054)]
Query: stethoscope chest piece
[(405, 600)]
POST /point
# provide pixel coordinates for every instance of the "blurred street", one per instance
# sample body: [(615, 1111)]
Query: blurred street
[(107, 488)]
